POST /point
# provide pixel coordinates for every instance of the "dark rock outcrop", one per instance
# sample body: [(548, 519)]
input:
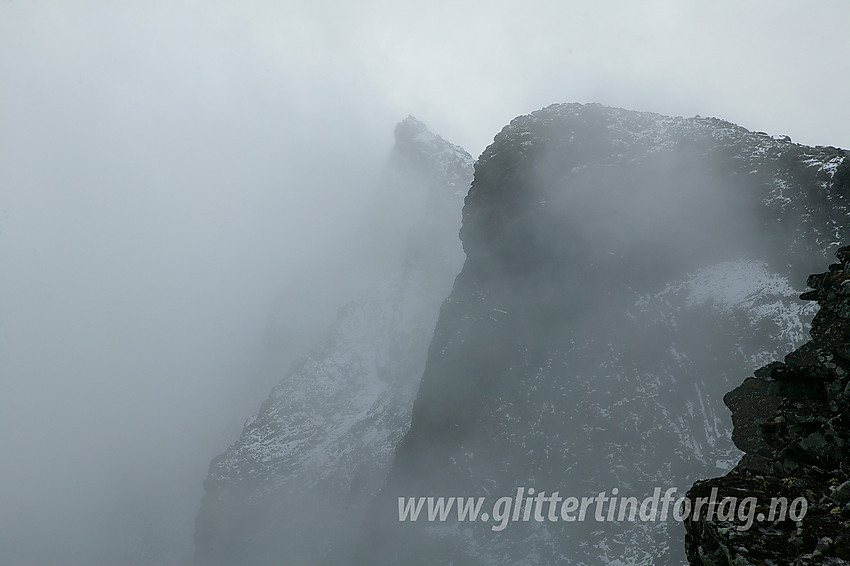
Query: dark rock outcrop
[(793, 421)]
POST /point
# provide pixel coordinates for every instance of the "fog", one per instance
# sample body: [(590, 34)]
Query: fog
[(173, 173)]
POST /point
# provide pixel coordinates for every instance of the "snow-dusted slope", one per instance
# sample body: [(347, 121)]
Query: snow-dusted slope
[(293, 488), (747, 289), (741, 306)]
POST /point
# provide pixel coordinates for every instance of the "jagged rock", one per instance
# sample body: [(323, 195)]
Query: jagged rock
[(804, 442), (751, 405)]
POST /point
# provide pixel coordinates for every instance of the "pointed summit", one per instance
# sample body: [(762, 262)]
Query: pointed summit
[(418, 149), (408, 129)]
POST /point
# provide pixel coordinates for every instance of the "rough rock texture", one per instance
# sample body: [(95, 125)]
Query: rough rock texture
[(622, 270), (292, 490), (793, 421)]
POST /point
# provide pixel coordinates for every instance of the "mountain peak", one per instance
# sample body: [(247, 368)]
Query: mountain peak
[(408, 129), (417, 147)]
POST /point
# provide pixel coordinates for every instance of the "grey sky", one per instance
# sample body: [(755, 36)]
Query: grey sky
[(166, 168)]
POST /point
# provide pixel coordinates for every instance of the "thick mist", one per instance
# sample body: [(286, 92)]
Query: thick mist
[(182, 184), (162, 192)]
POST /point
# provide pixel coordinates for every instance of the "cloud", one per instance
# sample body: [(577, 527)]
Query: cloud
[(166, 168)]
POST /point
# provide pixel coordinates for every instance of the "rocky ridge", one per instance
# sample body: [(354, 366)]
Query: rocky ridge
[(793, 421)]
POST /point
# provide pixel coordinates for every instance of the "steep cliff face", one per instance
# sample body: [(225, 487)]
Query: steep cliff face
[(623, 269), (293, 488), (793, 421)]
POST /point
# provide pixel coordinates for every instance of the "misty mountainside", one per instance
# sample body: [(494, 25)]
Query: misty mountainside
[(623, 271), (294, 488)]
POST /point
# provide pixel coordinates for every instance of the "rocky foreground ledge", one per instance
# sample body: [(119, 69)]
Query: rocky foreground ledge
[(793, 422)]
